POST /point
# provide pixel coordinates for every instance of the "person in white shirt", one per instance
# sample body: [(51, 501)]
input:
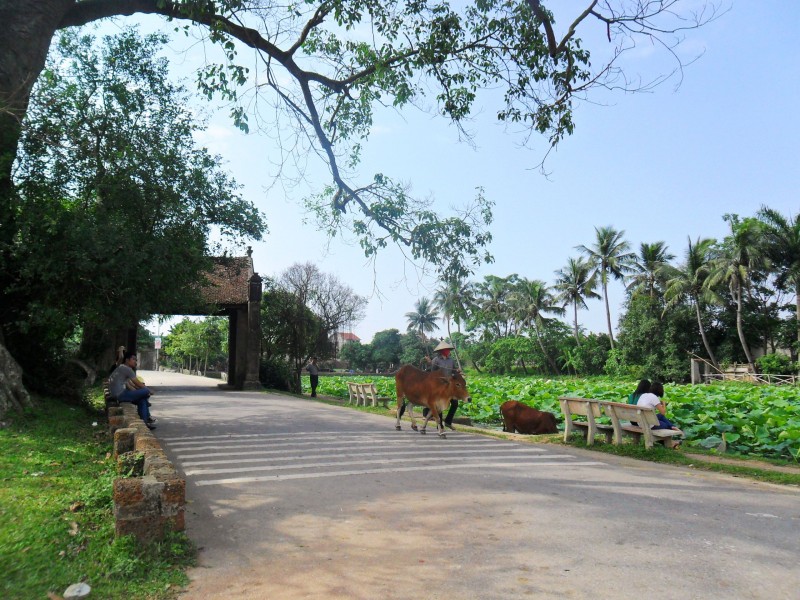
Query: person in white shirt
[(654, 399)]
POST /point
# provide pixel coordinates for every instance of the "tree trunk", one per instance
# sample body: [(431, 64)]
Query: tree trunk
[(608, 313), (549, 359), (575, 313), (13, 394), (794, 351), (703, 335), (740, 328), (28, 28), (296, 385), (455, 350)]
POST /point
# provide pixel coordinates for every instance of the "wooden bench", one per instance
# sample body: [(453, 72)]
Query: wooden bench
[(645, 418), (590, 427), (361, 393)]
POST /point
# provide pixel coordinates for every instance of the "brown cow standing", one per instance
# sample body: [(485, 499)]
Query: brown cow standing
[(521, 418), (429, 389)]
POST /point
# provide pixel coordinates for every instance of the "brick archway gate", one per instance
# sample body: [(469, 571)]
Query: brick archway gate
[(233, 289)]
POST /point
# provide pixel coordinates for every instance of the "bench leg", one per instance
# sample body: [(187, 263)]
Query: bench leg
[(568, 429), (589, 436)]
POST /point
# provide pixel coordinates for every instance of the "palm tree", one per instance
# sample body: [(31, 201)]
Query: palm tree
[(575, 284), (531, 300), (453, 298), (783, 248), (423, 318), (741, 255), (609, 257), (688, 281), (492, 311), (649, 270)]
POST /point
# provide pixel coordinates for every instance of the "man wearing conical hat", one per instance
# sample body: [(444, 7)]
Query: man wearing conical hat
[(443, 362)]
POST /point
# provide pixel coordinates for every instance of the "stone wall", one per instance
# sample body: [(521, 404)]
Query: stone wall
[(151, 505)]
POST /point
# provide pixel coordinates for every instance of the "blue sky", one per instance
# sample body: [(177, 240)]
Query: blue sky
[(664, 166)]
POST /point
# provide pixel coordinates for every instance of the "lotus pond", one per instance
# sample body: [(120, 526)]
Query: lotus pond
[(758, 420)]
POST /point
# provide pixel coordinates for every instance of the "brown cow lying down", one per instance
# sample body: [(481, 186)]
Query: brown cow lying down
[(430, 389), (521, 418)]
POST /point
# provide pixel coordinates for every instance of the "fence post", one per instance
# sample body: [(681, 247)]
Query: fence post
[(695, 370)]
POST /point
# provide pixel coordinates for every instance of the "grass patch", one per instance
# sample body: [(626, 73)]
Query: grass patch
[(701, 459), (748, 466), (660, 454), (56, 520)]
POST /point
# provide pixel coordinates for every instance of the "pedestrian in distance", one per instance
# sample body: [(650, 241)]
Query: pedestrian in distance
[(313, 371)]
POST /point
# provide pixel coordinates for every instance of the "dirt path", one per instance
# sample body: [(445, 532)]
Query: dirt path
[(700, 458), (738, 462)]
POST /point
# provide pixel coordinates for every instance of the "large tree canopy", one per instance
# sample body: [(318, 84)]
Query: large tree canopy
[(327, 64), (109, 182), (323, 66), (109, 173)]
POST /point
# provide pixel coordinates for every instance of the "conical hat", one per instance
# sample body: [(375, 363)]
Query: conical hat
[(443, 346)]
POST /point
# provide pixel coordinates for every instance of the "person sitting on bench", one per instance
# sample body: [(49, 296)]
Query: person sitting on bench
[(118, 386), (654, 399)]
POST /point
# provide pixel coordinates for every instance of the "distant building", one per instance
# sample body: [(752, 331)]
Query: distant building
[(340, 338)]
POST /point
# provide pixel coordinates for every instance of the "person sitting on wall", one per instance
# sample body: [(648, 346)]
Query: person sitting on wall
[(138, 394)]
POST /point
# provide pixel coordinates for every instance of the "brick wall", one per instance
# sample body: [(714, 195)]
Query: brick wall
[(149, 506)]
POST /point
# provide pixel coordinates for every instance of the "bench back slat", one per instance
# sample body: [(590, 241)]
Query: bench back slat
[(631, 412), (580, 406)]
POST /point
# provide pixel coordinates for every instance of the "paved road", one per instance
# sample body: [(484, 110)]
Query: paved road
[(294, 499)]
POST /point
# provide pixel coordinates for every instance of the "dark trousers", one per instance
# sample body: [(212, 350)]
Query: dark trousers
[(314, 384), (663, 422), (139, 398), (451, 412)]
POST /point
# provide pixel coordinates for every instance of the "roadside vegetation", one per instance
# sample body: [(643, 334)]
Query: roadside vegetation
[(56, 519), (758, 421)]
